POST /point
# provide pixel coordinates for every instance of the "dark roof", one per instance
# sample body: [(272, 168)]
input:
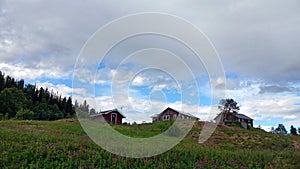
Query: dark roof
[(242, 116), (107, 112)]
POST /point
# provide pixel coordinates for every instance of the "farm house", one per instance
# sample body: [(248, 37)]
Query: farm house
[(172, 114), (113, 116), (229, 118)]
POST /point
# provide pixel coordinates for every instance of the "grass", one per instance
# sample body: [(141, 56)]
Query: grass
[(61, 144), (144, 130)]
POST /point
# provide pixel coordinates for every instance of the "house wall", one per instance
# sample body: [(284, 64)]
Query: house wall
[(107, 117), (155, 119), (244, 124), (231, 119), (168, 114)]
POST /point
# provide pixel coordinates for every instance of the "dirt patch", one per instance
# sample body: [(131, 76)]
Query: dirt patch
[(296, 145)]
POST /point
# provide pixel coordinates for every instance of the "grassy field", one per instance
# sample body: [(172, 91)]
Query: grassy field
[(63, 144)]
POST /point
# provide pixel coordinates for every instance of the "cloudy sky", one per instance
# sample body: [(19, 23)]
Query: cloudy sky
[(257, 42)]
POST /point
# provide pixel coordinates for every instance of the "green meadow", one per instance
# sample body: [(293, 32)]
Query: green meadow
[(64, 144)]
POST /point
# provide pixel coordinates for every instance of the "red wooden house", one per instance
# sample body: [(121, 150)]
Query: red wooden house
[(110, 116)]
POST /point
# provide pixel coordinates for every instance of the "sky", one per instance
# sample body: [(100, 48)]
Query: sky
[(257, 42)]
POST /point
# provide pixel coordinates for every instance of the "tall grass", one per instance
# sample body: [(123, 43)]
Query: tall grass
[(58, 144)]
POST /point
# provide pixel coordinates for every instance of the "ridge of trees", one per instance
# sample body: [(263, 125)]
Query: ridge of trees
[(21, 101), (281, 130)]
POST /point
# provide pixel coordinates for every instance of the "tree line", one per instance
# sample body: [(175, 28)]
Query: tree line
[(281, 130), (21, 101)]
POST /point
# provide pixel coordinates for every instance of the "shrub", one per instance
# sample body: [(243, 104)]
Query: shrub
[(24, 114), (236, 124)]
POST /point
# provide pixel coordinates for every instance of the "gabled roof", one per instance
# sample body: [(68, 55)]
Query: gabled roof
[(242, 116), (180, 112), (107, 112)]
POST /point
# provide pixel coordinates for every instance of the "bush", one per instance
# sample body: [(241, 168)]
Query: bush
[(6, 117), (24, 114), (236, 124)]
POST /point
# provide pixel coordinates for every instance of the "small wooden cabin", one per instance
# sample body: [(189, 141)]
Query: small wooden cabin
[(229, 118), (172, 114), (110, 116)]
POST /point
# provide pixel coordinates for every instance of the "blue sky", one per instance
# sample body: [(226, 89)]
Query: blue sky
[(257, 42)]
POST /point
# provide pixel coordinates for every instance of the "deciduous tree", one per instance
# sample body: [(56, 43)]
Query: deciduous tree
[(11, 101)]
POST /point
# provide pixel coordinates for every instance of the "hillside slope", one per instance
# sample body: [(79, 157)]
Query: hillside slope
[(63, 144)]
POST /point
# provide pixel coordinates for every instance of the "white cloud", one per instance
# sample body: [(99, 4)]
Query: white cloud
[(139, 109), (257, 40), (137, 81), (290, 117), (37, 42), (20, 71), (264, 106), (258, 106), (62, 89)]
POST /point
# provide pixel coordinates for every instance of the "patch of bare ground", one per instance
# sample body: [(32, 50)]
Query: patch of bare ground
[(216, 138), (296, 145)]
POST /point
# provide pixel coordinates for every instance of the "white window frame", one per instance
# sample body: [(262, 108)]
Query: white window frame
[(111, 118)]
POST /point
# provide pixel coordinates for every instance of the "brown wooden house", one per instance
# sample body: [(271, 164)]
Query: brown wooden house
[(172, 114), (230, 118), (110, 116)]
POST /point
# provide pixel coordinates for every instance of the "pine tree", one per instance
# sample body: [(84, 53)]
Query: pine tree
[(20, 84), (45, 105), (2, 81), (92, 111), (293, 130), (229, 105), (280, 129), (69, 107)]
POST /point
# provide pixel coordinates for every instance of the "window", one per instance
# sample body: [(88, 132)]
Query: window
[(166, 117)]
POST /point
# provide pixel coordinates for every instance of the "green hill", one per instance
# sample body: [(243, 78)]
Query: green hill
[(63, 144)]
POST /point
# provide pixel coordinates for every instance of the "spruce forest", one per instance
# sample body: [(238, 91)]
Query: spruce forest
[(27, 101)]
